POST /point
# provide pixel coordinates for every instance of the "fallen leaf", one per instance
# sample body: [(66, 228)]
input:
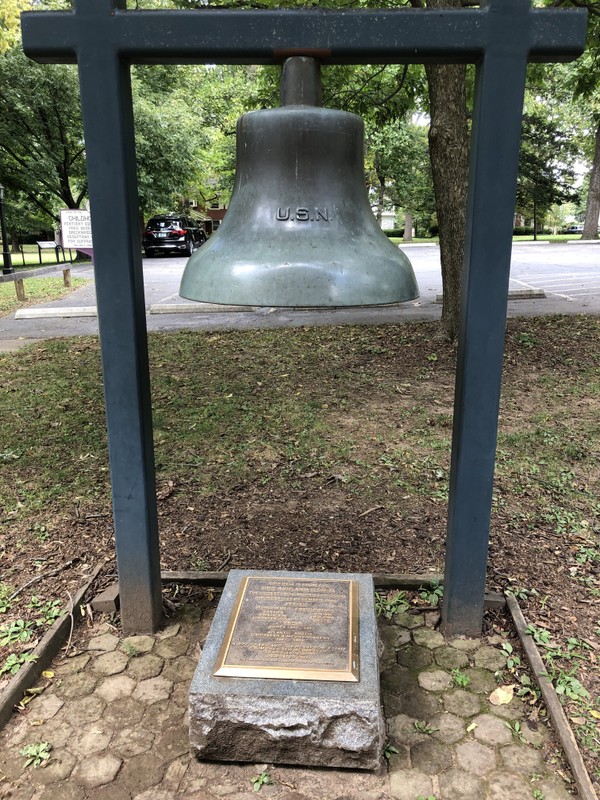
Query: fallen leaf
[(595, 714), (47, 673), (502, 695)]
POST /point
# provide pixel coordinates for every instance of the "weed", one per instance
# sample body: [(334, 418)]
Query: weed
[(50, 610), (540, 635), (526, 339), (516, 730), (431, 594), (527, 690), (129, 649), (264, 779), (389, 750), (16, 631), (588, 555), (424, 727), (390, 604), (460, 679), (199, 565), (537, 794), (512, 660), (5, 593), (40, 532), (569, 686), (36, 754), (14, 663)]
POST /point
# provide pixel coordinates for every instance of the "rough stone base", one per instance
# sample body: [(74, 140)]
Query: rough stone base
[(312, 723)]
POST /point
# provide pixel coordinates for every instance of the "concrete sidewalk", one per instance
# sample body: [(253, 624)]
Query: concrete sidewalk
[(114, 714)]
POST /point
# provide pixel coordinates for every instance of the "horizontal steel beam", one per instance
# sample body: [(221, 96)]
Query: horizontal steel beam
[(267, 37)]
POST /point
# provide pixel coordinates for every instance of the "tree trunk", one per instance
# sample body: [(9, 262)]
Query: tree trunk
[(449, 153), (408, 226), (592, 211)]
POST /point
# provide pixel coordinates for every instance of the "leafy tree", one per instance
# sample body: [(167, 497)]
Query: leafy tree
[(585, 85), (41, 136), (546, 164)]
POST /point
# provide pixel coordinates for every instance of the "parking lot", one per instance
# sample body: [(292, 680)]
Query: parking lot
[(568, 275)]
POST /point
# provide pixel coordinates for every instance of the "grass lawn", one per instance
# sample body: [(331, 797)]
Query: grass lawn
[(322, 448), (37, 290)]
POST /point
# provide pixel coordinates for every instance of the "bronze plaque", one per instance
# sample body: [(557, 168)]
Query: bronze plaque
[(292, 628)]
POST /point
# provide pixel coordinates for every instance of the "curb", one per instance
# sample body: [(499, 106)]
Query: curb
[(46, 650), (553, 706)]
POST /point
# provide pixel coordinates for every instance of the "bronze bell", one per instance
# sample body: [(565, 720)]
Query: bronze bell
[(299, 230)]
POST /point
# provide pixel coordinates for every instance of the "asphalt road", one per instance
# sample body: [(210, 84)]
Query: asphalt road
[(569, 274)]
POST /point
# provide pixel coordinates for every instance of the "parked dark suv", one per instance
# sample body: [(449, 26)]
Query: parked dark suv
[(172, 233)]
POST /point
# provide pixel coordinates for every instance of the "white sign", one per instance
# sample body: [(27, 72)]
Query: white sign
[(76, 228)]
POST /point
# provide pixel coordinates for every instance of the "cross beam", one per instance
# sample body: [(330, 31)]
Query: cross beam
[(103, 38)]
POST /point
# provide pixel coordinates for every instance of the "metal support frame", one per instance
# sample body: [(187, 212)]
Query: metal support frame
[(499, 38)]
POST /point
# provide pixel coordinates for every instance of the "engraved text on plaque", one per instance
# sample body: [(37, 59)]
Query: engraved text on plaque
[(292, 628)]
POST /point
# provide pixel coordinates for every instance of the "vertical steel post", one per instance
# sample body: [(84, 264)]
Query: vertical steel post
[(495, 141), (110, 147)]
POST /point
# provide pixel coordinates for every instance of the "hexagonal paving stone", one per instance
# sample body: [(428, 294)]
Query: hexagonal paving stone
[(124, 713), (97, 771), (69, 666), (86, 710), (76, 686), (462, 703), (430, 756), (450, 658), (180, 669), (174, 742), (481, 681), (59, 768), (505, 785), (407, 784), (425, 637), (399, 760), (402, 730), (553, 789), (534, 734), (171, 630), (523, 760), (132, 741), (450, 729), (141, 772), (144, 667), (458, 785), (413, 657), (135, 645), (475, 757), (490, 658), (105, 642), (152, 690), (466, 645), (510, 711), (63, 791), (409, 621), (110, 663), (56, 731), (491, 730), (171, 648), (92, 739), (45, 707), (435, 680), (420, 704), (116, 687), (393, 636), (398, 680)]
